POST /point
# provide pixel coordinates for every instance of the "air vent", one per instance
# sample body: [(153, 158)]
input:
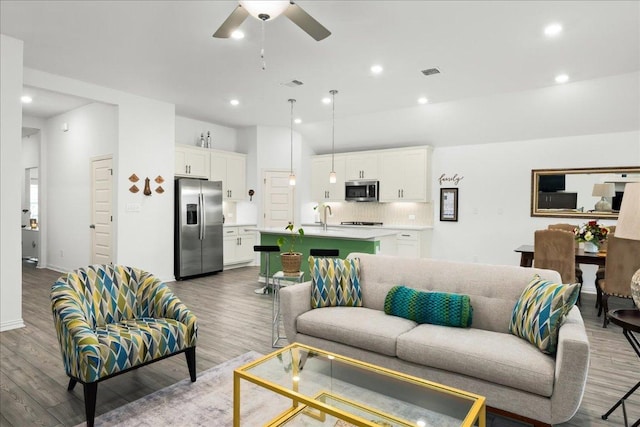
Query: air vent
[(293, 83), (430, 71)]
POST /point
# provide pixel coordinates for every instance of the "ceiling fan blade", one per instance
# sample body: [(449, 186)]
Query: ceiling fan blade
[(234, 20), (305, 21)]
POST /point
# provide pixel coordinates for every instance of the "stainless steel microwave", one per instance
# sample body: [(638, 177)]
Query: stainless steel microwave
[(361, 191)]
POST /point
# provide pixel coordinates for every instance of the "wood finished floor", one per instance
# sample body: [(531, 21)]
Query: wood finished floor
[(232, 320)]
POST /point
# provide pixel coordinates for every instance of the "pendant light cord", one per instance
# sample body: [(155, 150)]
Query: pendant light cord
[(292, 101), (263, 63), (333, 127)]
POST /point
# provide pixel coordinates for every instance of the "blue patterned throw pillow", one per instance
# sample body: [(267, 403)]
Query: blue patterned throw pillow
[(540, 311), (335, 282), (437, 308)]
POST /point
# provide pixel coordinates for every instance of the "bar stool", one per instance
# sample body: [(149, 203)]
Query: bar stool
[(265, 249), (324, 252)]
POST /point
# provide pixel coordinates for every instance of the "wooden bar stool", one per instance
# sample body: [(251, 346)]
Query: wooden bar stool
[(268, 249)]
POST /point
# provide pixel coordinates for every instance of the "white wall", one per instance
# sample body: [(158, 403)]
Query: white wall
[(222, 137), (247, 212), (93, 131), (10, 169), (494, 195), (145, 146)]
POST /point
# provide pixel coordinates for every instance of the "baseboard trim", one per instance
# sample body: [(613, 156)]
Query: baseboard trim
[(12, 324)]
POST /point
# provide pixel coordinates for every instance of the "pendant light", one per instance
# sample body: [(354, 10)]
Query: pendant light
[(332, 174), (292, 176)]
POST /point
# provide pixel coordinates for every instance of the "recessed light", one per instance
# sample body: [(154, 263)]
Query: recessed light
[(237, 34), (326, 100), (376, 69), (234, 102), (562, 78), (552, 30), (26, 99), (298, 121), (422, 100)]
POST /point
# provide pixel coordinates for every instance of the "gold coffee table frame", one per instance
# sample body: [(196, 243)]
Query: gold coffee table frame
[(316, 405)]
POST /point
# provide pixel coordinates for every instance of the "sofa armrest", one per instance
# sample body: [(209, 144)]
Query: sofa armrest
[(572, 367), (158, 301), (294, 301)]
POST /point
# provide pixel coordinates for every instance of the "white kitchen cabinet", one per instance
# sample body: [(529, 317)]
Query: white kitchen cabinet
[(363, 165), (230, 168), (405, 175), (237, 245), (413, 243), (321, 189), (192, 162)]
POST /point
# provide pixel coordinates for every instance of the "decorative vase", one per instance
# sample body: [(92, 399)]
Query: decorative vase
[(291, 263), (635, 288), (590, 247)]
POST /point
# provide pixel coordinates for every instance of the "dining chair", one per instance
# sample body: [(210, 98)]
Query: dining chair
[(555, 250), (623, 259), (600, 271), (570, 228)]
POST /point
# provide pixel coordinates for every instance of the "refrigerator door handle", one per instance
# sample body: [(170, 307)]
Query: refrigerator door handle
[(202, 216)]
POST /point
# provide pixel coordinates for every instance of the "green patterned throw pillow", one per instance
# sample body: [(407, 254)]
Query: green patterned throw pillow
[(437, 308), (540, 311), (335, 282)]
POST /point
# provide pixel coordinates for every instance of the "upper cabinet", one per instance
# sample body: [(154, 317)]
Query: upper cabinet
[(321, 189), (364, 165), (405, 175), (230, 168), (192, 162)]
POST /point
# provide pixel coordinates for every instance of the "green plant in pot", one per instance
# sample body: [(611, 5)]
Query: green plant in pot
[(291, 259)]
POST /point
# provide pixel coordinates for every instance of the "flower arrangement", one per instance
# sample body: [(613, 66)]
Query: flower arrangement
[(591, 232)]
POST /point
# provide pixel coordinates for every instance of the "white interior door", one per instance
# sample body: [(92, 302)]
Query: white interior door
[(278, 199), (101, 213)]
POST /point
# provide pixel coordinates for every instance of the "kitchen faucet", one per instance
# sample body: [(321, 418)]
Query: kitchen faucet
[(324, 214)]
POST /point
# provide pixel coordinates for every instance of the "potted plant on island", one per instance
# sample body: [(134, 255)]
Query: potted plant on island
[(291, 260)]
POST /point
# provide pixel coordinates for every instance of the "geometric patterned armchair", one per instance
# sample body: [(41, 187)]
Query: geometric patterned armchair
[(111, 319)]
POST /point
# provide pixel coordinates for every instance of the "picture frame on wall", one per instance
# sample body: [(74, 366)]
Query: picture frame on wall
[(448, 204)]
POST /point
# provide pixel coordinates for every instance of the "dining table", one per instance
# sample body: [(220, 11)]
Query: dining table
[(582, 257)]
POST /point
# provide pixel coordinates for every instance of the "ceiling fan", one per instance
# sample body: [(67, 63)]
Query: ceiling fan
[(268, 10)]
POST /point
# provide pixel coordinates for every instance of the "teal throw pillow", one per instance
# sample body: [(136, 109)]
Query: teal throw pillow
[(437, 308), (540, 311)]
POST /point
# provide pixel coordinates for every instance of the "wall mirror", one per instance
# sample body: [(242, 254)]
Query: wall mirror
[(580, 193)]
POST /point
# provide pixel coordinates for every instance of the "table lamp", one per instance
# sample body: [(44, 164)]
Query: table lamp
[(602, 191), (628, 227)]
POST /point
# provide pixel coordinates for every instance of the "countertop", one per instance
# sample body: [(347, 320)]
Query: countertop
[(352, 233), (379, 227)]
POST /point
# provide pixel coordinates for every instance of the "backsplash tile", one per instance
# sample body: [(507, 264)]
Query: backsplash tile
[(387, 213)]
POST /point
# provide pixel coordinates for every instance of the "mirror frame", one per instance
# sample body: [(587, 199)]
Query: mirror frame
[(535, 173)]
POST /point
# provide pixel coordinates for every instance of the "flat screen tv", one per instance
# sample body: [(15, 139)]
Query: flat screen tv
[(551, 183)]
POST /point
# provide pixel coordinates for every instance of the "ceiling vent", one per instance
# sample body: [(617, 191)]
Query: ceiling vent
[(430, 71), (293, 83)]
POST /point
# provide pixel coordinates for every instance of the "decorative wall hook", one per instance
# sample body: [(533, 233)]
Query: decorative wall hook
[(134, 189), (134, 178), (159, 179), (147, 188), (251, 193), (159, 190)]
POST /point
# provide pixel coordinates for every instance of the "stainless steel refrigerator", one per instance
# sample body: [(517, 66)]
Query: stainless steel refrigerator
[(198, 227)]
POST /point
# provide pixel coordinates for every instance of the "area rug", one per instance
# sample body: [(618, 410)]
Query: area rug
[(209, 402)]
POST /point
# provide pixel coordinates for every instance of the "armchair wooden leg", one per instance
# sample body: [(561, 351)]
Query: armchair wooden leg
[(90, 395), (72, 384), (190, 353)]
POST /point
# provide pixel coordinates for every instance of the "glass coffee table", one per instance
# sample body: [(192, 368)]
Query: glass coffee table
[(327, 389)]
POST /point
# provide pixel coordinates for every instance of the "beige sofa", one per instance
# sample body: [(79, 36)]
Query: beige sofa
[(485, 359)]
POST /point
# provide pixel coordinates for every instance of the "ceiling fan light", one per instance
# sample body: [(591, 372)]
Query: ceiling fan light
[(271, 8)]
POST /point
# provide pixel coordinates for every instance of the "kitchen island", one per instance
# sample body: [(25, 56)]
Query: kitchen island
[(347, 240)]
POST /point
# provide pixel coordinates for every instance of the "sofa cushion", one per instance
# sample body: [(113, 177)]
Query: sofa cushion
[(540, 311), (355, 326), (491, 356), (335, 282), (438, 308)]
